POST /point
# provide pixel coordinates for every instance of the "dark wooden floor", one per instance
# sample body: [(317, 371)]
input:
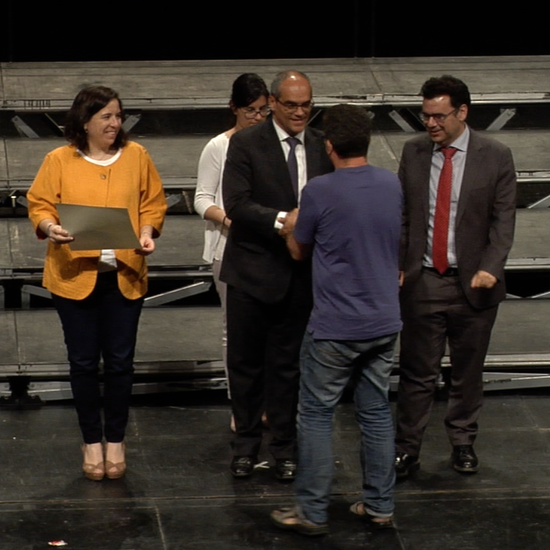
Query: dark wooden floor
[(178, 493)]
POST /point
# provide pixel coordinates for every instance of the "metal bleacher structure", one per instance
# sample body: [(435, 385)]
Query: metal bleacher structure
[(174, 107)]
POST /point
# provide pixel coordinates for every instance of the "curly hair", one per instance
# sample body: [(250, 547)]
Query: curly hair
[(348, 128), (447, 85)]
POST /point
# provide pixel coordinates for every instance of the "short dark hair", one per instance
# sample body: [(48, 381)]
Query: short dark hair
[(348, 128), (281, 77), (86, 104), (447, 85), (246, 89)]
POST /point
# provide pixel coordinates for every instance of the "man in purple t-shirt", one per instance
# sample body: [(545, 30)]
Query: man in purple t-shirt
[(350, 222)]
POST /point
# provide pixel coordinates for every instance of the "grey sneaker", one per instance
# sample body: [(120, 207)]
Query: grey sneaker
[(291, 520)]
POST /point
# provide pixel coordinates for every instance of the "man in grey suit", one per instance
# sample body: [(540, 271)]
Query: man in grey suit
[(269, 294), (458, 228)]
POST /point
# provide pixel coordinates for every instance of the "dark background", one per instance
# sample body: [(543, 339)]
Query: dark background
[(59, 31)]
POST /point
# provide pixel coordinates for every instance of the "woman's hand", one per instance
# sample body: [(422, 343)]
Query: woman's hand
[(146, 241), (55, 232)]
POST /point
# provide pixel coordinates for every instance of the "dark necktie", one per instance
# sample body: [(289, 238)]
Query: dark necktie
[(442, 212), (293, 163)]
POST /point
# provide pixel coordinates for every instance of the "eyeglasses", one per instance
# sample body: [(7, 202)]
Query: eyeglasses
[(293, 107), (250, 112), (438, 117)]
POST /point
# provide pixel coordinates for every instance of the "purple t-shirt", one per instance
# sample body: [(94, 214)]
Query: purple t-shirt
[(353, 218)]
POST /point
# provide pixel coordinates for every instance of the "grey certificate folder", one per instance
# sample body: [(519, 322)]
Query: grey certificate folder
[(97, 227)]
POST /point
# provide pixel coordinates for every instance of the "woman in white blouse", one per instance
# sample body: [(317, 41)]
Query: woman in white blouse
[(249, 104)]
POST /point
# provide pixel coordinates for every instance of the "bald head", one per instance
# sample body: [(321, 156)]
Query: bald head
[(290, 101), (292, 75)]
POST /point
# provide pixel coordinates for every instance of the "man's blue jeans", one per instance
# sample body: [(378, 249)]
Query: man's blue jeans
[(326, 366)]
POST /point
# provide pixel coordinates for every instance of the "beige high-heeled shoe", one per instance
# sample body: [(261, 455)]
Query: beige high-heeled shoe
[(115, 470), (95, 472)]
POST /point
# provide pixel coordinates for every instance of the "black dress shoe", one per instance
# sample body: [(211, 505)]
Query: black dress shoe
[(464, 459), (405, 465), (285, 469), (242, 466)]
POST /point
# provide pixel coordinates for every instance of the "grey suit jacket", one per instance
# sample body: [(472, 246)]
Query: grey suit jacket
[(485, 216), (256, 187)]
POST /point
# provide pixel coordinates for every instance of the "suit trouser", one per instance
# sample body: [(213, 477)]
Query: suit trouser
[(263, 345), (436, 311)]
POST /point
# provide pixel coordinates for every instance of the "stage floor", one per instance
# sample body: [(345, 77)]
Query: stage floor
[(179, 495)]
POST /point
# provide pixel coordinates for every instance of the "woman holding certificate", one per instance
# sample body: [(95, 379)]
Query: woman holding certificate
[(98, 294)]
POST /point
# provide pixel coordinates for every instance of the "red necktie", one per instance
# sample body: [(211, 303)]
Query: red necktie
[(442, 212)]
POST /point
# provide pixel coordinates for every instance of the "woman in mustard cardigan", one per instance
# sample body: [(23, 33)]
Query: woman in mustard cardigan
[(98, 294)]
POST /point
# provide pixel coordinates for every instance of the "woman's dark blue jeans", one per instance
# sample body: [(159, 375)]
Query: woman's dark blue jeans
[(102, 325)]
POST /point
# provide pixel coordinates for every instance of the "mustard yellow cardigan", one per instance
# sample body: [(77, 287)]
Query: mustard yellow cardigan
[(131, 182)]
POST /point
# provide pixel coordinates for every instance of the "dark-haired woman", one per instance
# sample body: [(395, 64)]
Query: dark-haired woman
[(98, 294), (249, 105)]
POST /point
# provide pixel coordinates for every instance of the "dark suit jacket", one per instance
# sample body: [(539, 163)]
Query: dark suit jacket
[(485, 217), (256, 187)]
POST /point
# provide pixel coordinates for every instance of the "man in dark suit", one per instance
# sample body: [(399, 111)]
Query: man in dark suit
[(268, 294), (458, 227)]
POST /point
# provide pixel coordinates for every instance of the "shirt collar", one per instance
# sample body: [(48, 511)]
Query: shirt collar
[(282, 135), (460, 143)]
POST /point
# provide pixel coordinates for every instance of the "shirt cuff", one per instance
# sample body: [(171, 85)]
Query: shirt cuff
[(278, 225)]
